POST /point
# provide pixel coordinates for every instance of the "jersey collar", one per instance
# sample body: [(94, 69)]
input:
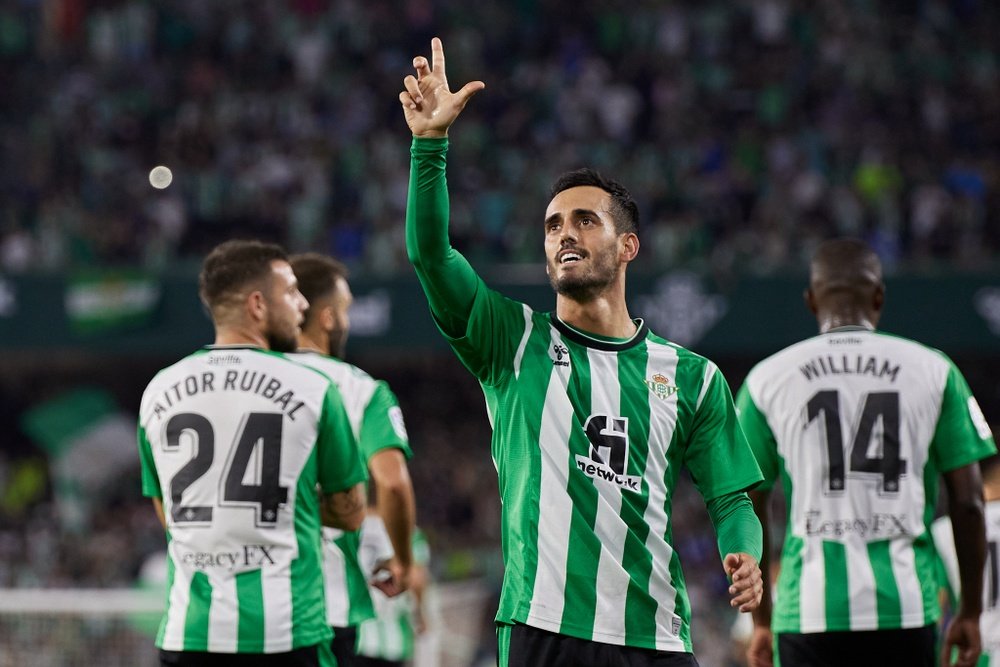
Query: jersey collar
[(600, 342)]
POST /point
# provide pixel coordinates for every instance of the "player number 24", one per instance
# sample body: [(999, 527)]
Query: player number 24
[(266, 496), (884, 404)]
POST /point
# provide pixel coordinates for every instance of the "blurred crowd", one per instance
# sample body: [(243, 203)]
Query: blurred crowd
[(747, 129)]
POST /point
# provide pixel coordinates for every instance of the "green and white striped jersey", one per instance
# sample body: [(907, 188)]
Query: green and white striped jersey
[(989, 622), (378, 424), (390, 635), (589, 437), (235, 441), (858, 426)]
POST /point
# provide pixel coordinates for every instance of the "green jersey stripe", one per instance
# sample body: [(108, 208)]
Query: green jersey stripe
[(196, 619), (584, 556), (304, 601), (835, 569), (524, 497), (887, 602), (555, 523), (250, 593)]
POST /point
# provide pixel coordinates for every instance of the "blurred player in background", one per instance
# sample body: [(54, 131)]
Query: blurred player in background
[(989, 622), (858, 425), (389, 639), (234, 440), (378, 426), (593, 416)]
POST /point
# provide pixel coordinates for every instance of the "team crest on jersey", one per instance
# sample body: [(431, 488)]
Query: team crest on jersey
[(660, 385)]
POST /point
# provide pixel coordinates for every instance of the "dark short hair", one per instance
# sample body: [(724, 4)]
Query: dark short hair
[(317, 275), (624, 210), (232, 266)]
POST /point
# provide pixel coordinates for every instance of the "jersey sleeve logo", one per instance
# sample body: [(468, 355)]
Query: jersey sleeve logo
[(979, 419), (608, 455), (660, 385)]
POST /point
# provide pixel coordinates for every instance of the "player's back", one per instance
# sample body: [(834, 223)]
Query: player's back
[(856, 418), (231, 433)]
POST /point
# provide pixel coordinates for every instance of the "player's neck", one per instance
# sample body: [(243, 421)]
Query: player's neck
[(240, 335), (310, 341), (603, 316), (829, 320), (991, 490)]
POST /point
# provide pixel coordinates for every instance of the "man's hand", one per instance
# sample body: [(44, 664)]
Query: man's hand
[(747, 586), (962, 635), (760, 652), (429, 106), (391, 577)]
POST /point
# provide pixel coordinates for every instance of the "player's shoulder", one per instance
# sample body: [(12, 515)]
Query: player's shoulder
[(340, 372), (683, 354)]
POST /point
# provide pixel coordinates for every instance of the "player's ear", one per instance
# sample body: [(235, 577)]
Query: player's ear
[(630, 247), (256, 306), (878, 299), (326, 318)]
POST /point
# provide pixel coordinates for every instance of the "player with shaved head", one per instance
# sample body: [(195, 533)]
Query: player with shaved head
[(859, 425)]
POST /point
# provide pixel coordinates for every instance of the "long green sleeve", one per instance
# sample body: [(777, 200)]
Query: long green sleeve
[(449, 282), (737, 528)]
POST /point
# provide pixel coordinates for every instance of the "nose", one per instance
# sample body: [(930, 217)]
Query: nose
[(567, 234)]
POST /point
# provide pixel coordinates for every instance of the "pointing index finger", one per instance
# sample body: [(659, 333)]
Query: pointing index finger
[(437, 56)]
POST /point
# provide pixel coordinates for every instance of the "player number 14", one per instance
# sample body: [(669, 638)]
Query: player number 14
[(876, 405)]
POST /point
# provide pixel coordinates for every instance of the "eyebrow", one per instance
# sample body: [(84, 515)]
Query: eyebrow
[(577, 213)]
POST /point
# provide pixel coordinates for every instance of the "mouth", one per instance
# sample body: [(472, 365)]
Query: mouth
[(565, 257)]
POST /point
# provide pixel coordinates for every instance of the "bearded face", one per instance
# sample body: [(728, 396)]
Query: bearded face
[(580, 274)]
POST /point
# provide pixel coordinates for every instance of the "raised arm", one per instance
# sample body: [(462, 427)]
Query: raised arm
[(430, 108)]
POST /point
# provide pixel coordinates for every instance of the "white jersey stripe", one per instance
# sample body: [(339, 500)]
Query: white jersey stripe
[(277, 612), (710, 369), (612, 579), (524, 342), (179, 596), (223, 616), (904, 569), (335, 580), (860, 587), (547, 597), (662, 420)]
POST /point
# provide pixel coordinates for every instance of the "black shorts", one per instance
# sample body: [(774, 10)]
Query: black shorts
[(343, 644), (302, 657), (914, 647), (524, 646)]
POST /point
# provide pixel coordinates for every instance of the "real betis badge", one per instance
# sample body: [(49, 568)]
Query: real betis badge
[(660, 385)]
